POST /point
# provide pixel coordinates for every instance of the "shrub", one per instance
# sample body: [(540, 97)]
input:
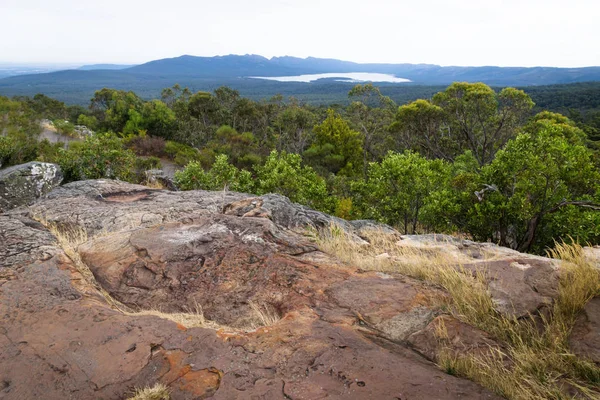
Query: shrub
[(147, 146), (283, 173), (221, 176), (180, 153), (99, 156)]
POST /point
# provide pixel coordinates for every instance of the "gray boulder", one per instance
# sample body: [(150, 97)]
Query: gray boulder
[(22, 184), (158, 176)]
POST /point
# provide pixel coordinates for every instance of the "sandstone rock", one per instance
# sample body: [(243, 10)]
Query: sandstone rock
[(520, 284), (23, 184), (585, 336), (446, 333), (341, 332)]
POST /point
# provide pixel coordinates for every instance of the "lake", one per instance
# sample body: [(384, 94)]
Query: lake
[(338, 76)]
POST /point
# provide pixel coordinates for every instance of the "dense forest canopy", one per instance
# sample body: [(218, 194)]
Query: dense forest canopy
[(468, 159)]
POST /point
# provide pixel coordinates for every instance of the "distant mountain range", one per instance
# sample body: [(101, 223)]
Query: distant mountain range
[(104, 66), (207, 73)]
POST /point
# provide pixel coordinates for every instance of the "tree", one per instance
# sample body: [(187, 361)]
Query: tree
[(418, 127), (466, 116), (241, 148), (337, 148), (114, 108), (283, 173), (96, 157), (480, 120), (158, 119), (398, 188), (370, 113), (293, 127), (538, 177)]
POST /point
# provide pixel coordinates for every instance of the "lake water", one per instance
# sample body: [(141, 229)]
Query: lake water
[(338, 76)]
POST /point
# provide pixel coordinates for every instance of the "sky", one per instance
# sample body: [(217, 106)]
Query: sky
[(557, 33)]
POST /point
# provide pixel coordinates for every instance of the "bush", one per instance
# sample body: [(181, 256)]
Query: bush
[(180, 153), (98, 156), (283, 173), (221, 176), (147, 146), (17, 149)]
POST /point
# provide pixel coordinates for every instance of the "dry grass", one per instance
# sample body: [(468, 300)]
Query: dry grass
[(265, 314), (154, 184), (190, 319), (535, 362), (156, 392)]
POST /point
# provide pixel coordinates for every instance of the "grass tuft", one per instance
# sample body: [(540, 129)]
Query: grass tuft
[(156, 392)]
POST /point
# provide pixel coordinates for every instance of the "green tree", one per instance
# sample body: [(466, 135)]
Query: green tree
[(284, 173), (114, 108), (293, 128), (398, 188), (337, 148), (370, 113), (480, 120), (418, 127), (538, 178), (241, 148), (87, 120)]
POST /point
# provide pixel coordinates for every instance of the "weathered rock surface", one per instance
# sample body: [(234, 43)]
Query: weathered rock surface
[(520, 284), (342, 334), (585, 337), (23, 184)]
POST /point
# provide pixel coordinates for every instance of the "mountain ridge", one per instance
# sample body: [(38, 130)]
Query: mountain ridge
[(208, 73)]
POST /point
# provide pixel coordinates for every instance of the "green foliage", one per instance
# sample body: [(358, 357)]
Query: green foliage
[(284, 173), (87, 120), (398, 188), (337, 148), (293, 128), (64, 127), (466, 116), (481, 120), (114, 108), (98, 156), (221, 176), (241, 148), (534, 184), (370, 113), (180, 153)]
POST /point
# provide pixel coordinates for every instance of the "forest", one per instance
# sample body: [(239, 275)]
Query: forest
[(470, 160)]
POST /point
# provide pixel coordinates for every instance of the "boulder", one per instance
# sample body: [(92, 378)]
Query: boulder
[(520, 284), (160, 178), (23, 184)]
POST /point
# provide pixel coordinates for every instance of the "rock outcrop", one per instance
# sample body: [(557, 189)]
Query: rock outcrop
[(23, 184), (288, 320)]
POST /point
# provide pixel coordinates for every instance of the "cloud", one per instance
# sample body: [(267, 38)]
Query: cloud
[(457, 32)]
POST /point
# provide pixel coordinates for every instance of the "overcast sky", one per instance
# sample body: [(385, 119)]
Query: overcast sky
[(563, 33)]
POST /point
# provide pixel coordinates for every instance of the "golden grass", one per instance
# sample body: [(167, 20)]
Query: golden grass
[(264, 314), (535, 361), (154, 184), (156, 392)]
